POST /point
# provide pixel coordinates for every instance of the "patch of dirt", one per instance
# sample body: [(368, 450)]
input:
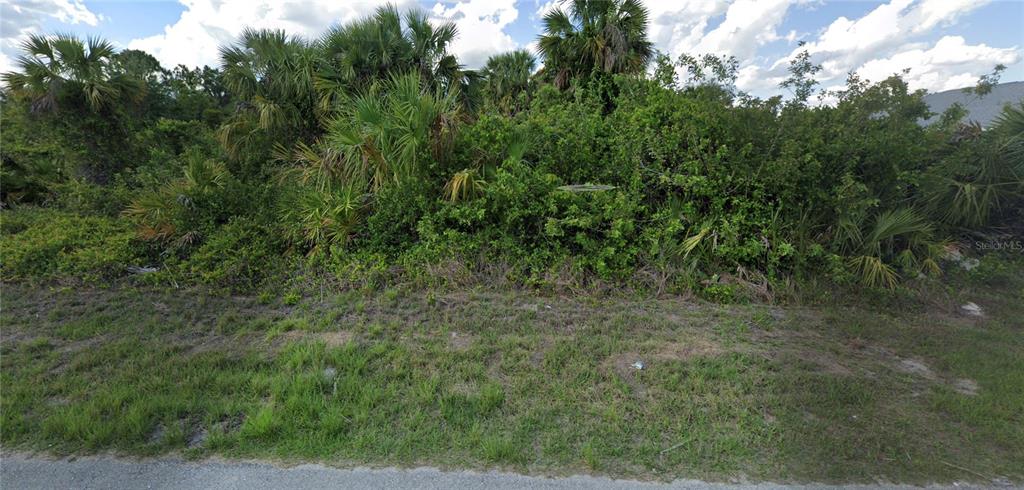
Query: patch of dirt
[(682, 350), (690, 349), (57, 401), (197, 438), (966, 386), (333, 338), (537, 356), (827, 362), (459, 341), (917, 368), (68, 350), (76, 346), (212, 343), (534, 307), (856, 356), (963, 386), (622, 365), (158, 434), (464, 387), (336, 338), (226, 425)]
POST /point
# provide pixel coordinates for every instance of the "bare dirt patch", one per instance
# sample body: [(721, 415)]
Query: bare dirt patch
[(623, 366), (966, 386), (213, 343), (917, 368), (689, 349), (628, 365), (336, 338), (459, 341), (333, 338), (827, 362)]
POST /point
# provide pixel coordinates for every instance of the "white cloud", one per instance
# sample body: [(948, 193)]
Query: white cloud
[(846, 44), (950, 64), (205, 25), (748, 25), (745, 26), (481, 25), (20, 18), (543, 7), (677, 27), (883, 42), (875, 45)]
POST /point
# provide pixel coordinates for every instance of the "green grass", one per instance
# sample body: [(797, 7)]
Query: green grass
[(524, 382)]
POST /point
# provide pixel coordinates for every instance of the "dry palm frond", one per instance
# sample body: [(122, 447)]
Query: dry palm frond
[(874, 272), (154, 212), (901, 236), (465, 184), (688, 245)]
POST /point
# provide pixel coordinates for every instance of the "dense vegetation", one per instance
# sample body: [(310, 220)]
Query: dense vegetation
[(372, 151)]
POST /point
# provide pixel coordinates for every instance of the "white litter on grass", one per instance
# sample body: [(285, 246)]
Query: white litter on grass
[(970, 263), (638, 365), (330, 373), (971, 309), (140, 270)]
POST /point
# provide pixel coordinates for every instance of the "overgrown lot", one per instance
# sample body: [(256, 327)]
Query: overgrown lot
[(901, 389), (353, 248)]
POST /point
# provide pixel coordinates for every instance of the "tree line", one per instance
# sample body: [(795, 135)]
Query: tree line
[(372, 145)]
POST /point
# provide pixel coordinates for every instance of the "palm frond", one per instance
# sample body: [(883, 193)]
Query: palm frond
[(874, 272), (465, 184)]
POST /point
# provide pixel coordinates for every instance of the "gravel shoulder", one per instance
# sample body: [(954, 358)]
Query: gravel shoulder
[(24, 471)]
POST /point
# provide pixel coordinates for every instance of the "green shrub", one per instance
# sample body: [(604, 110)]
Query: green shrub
[(45, 243), (81, 197), (240, 255)]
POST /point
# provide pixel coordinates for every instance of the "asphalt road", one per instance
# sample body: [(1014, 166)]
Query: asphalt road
[(20, 471)]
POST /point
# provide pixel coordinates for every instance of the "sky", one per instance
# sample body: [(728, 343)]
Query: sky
[(946, 44)]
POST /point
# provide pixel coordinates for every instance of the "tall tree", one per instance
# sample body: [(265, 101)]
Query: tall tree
[(64, 69), (272, 76), (608, 36), (198, 94), (385, 45), (80, 86), (506, 76)]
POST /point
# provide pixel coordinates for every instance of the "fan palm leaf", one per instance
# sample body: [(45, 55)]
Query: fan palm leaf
[(63, 66), (602, 35)]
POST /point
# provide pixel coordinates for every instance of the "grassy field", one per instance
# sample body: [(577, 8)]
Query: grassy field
[(892, 388)]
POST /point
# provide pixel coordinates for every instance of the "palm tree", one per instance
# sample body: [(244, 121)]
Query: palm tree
[(392, 131), (875, 245), (384, 45), (608, 36), (81, 81), (1009, 126), (63, 68), (388, 133), (272, 75), (983, 176), (506, 76)]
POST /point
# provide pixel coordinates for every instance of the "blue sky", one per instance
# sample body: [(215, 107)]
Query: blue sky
[(945, 43)]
